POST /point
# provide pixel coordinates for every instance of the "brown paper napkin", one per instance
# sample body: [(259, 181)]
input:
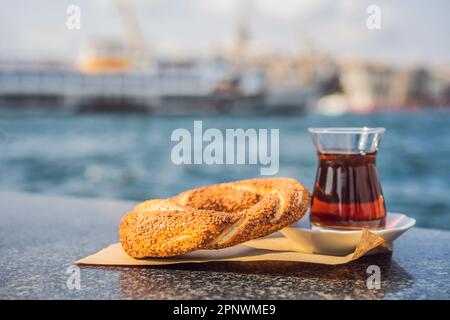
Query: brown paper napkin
[(273, 249)]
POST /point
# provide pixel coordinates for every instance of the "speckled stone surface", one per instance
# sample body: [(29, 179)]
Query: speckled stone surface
[(41, 236)]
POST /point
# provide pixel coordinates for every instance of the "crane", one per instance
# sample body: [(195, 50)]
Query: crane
[(139, 55)]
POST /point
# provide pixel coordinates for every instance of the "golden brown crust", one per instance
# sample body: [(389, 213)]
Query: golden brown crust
[(212, 217)]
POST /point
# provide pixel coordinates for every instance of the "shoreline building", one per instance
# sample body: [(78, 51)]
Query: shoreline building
[(371, 87)]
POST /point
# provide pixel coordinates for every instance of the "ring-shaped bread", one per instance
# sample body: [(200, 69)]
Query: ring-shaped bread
[(212, 217)]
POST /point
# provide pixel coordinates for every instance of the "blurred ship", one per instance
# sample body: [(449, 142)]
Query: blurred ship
[(122, 76), (105, 83)]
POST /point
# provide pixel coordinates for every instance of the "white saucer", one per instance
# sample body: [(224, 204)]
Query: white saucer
[(341, 242)]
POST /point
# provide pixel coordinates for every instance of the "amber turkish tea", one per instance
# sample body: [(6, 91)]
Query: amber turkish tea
[(347, 191)]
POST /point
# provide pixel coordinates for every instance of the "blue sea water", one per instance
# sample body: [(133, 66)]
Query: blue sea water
[(128, 156)]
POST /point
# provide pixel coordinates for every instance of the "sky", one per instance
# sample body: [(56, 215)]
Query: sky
[(412, 31)]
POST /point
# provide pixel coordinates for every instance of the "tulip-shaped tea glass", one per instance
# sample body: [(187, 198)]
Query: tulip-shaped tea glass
[(347, 192)]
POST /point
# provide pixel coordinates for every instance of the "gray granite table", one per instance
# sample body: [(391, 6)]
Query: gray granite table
[(41, 236)]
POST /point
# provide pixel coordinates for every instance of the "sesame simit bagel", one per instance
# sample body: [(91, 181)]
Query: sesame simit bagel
[(212, 217)]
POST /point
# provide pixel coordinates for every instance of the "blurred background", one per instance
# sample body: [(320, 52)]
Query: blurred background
[(88, 110)]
